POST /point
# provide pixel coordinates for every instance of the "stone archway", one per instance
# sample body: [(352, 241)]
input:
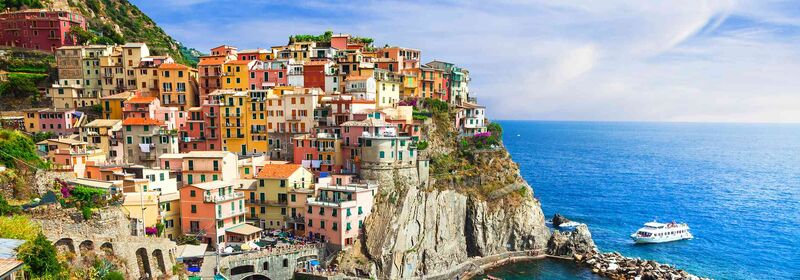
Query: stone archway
[(65, 245), (242, 269), (144, 264), (256, 277), (107, 248), (158, 256), (86, 246)]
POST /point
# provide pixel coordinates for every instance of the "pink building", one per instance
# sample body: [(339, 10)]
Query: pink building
[(201, 132), (150, 108), (39, 29), (268, 74), (61, 122), (337, 213), (215, 212)]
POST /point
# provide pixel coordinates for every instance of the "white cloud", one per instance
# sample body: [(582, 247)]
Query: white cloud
[(576, 60)]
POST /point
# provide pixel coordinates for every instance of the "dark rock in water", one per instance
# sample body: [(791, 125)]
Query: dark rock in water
[(569, 244), (558, 220)]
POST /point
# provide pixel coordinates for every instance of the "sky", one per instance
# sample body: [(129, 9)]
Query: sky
[(682, 60)]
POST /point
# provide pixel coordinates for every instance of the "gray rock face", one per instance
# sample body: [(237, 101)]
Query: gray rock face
[(558, 220), (570, 244), (416, 232)]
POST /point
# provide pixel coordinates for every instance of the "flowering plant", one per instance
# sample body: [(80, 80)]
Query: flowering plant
[(151, 230)]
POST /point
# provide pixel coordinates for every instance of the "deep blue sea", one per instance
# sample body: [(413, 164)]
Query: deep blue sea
[(736, 185)]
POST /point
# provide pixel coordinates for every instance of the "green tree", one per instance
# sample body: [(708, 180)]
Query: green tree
[(114, 275), (87, 195), (16, 146), (6, 209), (41, 136), (496, 130), (40, 257)]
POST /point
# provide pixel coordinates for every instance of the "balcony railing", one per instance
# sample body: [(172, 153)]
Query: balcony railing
[(267, 202), (214, 198)]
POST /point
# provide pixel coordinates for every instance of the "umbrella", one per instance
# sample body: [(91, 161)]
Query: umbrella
[(228, 250), (313, 262), (193, 269), (245, 247)]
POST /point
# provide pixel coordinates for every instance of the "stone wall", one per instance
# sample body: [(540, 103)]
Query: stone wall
[(108, 233), (276, 264)]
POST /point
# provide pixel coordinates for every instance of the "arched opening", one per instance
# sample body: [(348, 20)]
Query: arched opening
[(242, 269), (86, 246), (144, 263), (159, 257), (265, 266), (107, 248), (256, 277), (65, 245), (285, 262)]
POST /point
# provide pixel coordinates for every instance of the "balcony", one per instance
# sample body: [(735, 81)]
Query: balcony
[(278, 203), (215, 198), (147, 156), (234, 213), (210, 75), (234, 115)]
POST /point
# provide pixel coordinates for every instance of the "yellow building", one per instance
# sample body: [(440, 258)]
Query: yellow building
[(31, 120), (410, 83), (113, 105), (171, 214), (236, 74), (270, 200), (143, 207), (387, 93), (178, 86), (243, 120)]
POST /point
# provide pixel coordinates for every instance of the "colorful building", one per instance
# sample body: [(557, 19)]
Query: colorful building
[(113, 105), (268, 203), (208, 166), (320, 152), (215, 212), (61, 122), (146, 139), (43, 30), (337, 213), (147, 74), (236, 74), (69, 154), (105, 135), (178, 85)]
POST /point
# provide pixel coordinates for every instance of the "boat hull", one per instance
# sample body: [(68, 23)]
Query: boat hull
[(652, 240)]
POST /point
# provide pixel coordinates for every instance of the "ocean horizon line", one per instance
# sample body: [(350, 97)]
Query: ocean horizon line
[(645, 122)]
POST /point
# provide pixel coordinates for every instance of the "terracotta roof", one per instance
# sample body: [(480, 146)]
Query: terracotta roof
[(142, 121), (212, 60), (173, 66), (141, 99), (238, 62), (278, 171)]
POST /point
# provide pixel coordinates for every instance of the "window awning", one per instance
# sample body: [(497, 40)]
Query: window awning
[(244, 229)]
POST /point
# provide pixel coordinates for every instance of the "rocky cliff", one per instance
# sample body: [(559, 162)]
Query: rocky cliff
[(477, 206)]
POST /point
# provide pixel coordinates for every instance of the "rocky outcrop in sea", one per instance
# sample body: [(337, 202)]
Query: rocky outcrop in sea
[(578, 246)]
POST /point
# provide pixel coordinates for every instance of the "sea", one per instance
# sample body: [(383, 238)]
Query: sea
[(736, 185)]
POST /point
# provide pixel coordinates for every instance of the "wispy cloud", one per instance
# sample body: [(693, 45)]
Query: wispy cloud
[(687, 60)]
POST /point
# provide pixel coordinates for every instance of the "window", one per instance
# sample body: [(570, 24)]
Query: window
[(348, 212), (194, 208), (192, 193), (322, 224)]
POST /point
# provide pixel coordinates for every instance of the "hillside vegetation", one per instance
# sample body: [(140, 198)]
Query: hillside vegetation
[(119, 21)]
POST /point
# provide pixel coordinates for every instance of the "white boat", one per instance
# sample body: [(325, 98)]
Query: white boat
[(655, 232)]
